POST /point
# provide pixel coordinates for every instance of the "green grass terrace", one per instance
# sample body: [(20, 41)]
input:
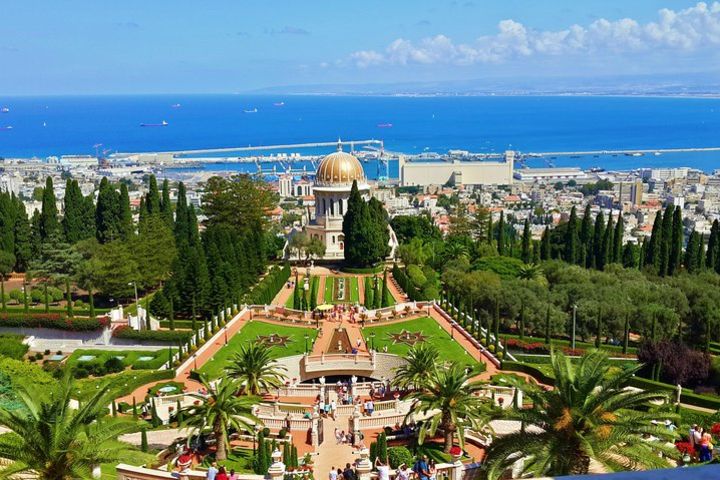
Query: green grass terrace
[(249, 333), (449, 348)]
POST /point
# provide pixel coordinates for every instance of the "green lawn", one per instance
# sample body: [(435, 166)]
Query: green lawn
[(129, 455), (354, 290), (239, 459), (130, 358), (329, 290), (449, 349), (121, 383), (249, 333)]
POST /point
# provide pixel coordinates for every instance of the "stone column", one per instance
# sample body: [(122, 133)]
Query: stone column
[(277, 468), (363, 465), (356, 422), (314, 433), (456, 471)]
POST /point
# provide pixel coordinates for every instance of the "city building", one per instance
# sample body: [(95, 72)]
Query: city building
[(457, 172)]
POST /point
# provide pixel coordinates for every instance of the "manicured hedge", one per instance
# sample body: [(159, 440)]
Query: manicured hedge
[(412, 291), (687, 396), (529, 369), (170, 336), (49, 320), (362, 271), (265, 291), (178, 323)]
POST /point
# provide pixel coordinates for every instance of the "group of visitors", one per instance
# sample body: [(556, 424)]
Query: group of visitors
[(326, 409), (702, 442), (219, 473), (343, 438), (423, 469)]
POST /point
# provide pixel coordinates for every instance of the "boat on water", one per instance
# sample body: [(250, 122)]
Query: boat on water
[(254, 110), (175, 105), (5, 110), (161, 124), (384, 125), (597, 169), (657, 154), (7, 127), (279, 104)]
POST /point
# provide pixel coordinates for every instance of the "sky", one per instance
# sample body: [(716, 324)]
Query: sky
[(54, 47)]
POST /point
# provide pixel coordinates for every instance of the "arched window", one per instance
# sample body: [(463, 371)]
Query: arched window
[(341, 206), (333, 239), (332, 208), (324, 209)]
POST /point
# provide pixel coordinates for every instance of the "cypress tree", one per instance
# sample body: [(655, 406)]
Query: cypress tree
[(48, 215), (384, 295), (598, 332), (182, 230), (643, 253), (607, 245), (143, 440), (586, 238), (165, 203), (107, 213), (545, 244), (676, 242), (598, 234), (125, 220), (618, 240), (496, 332), (23, 243), (666, 240), (652, 253), (134, 408), (626, 335), (628, 257), (73, 216), (535, 252), (153, 196), (522, 319), (501, 234), (691, 253), (490, 229), (570, 253), (701, 254), (526, 254)]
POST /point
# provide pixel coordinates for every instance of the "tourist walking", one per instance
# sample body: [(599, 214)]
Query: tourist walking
[(233, 475), (369, 407), (422, 469), (349, 473), (212, 471), (333, 475), (706, 446), (403, 472), (222, 474)]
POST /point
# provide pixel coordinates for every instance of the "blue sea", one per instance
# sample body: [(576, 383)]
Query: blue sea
[(45, 126)]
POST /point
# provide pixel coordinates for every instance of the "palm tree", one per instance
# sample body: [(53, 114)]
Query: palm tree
[(420, 360), (50, 440), (220, 410), (450, 392), (530, 271), (587, 416), (456, 250), (254, 367)]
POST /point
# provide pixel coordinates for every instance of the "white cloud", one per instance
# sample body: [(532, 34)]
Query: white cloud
[(688, 30)]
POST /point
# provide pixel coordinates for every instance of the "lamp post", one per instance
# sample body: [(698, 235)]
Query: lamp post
[(574, 307), (306, 343), (372, 340), (137, 303), (256, 429)]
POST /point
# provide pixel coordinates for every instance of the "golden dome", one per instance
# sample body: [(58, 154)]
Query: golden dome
[(339, 168)]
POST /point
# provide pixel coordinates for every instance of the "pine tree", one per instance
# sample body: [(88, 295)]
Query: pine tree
[(570, 253), (526, 254), (501, 235), (48, 215), (545, 244), (618, 240), (598, 234), (586, 238)]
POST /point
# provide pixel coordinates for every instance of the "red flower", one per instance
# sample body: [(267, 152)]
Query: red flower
[(455, 451), (715, 429), (685, 448)]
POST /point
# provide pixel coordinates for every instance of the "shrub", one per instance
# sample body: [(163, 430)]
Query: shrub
[(114, 365), (12, 346), (680, 364), (47, 351), (37, 295), (170, 336), (399, 455), (49, 320), (282, 433), (80, 373), (16, 295)]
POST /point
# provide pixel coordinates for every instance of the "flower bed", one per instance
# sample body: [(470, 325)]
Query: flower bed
[(50, 320), (539, 348)]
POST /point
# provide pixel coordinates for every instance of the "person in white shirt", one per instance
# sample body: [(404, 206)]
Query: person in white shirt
[(383, 470), (403, 472), (333, 474)]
